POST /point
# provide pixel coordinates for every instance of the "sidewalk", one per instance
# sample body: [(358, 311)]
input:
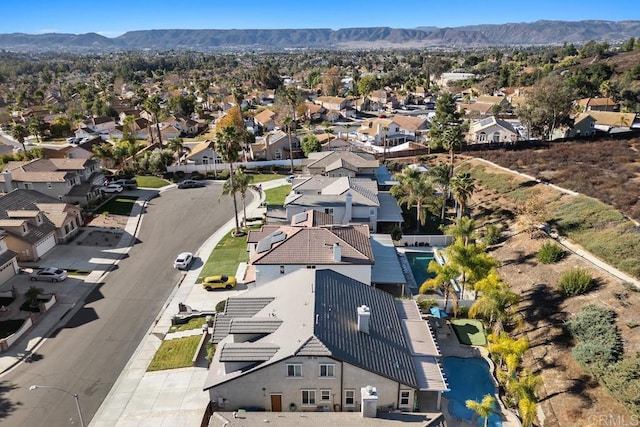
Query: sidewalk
[(172, 397)]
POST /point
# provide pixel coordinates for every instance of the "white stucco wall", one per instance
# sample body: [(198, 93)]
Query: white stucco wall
[(267, 273)]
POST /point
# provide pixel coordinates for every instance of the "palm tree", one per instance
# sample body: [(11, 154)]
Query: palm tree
[(228, 147), (35, 126), (19, 133), (288, 124), (440, 174), (152, 104), (443, 280), (484, 408), (415, 189), (176, 145), (104, 153), (462, 187), (504, 347), (471, 261), (497, 304), (463, 228), (527, 410), (241, 185)]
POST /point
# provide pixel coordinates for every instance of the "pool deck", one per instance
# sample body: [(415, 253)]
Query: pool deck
[(449, 346)]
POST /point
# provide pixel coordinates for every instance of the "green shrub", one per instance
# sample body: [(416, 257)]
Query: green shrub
[(197, 176), (221, 305), (550, 253), (575, 282), (463, 312), (492, 234), (598, 340), (425, 304), (224, 174), (623, 382)]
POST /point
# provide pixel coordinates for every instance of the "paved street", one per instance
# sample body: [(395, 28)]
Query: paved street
[(90, 351)]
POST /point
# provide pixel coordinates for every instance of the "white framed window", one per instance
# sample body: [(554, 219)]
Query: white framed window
[(325, 395), (349, 398), (328, 211), (404, 397), (308, 397), (327, 370), (294, 370)]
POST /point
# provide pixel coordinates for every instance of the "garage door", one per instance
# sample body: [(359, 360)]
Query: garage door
[(7, 271), (45, 245)]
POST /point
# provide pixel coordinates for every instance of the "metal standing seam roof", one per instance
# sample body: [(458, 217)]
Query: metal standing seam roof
[(384, 350), (389, 211), (387, 268)]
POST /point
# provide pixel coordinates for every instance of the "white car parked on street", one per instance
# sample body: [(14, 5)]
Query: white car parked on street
[(112, 188), (183, 261)]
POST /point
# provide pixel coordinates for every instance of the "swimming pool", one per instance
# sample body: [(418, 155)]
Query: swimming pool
[(469, 379), (419, 261)]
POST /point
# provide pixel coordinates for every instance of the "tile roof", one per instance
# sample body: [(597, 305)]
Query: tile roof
[(247, 352), (613, 119), (410, 123), (264, 116), (21, 200)]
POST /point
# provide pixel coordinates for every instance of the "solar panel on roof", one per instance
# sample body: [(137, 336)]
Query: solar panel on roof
[(486, 121), (277, 237), (264, 245)]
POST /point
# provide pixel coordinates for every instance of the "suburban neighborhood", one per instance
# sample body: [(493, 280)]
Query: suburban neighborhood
[(337, 238)]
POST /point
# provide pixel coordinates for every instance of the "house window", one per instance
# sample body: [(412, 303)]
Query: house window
[(404, 397), (311, 267), (278, 154), (28, 186), (308, 397), (349, 398), (325, 395), (496, 137), (328, 211), (282, 269), (294, 370), (327, 371), (482, 137)]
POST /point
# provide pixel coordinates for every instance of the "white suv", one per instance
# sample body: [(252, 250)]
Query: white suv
[(112, 188), (183, 261)]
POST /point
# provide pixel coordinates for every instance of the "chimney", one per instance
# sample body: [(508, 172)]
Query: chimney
[(8, 182), (369, 396), (337, 252), (364, 314), (348, 208)]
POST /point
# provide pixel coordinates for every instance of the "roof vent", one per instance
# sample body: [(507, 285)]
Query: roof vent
[(337, 252), (364, 314)]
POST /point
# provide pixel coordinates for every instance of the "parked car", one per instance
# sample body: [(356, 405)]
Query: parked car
[(183, 261), (49, 274), (127, 184), (219, 282), (191, 183), (112, 188)]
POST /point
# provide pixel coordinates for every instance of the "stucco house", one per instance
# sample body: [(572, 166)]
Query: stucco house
[(203, 154), (8, 260), (317, 340), (35, 223), (102, 124), (492, 130), (75, 181), (392, 131), (597, 104), (583, 126), (275, 146), (349, 200), (266, 120), (341, 163)]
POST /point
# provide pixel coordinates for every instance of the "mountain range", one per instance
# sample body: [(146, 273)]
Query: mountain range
[(474, 36)]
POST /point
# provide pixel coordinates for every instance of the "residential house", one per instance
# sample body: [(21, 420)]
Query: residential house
[(266, 120), (185, 125), (101, 125), (341, 163), (614, 122), (203, 154), (474, 109), (492, 130), (317, 340), (278, 250), (314, 112), (349, 200), (140, 129), (381, 99), (275, 146), (336, 107), (8, 260), (35, 223), (446, 78), (392, 131), (69, 180), (583, 126), (597, 104)]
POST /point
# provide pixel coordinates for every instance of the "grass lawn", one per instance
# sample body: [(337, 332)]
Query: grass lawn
[(195, 323), (263, 177), (225, 258), (150, 181), (469, 331), (276, 196), (118, 206), (8, 327), (173, 354)]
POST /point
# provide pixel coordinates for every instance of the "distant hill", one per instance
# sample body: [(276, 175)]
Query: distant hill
[(534, 33)]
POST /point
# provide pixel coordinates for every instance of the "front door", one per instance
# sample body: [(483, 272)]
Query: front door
[(276, 403)]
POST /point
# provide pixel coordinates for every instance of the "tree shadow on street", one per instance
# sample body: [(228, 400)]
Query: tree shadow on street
[(6, 405)]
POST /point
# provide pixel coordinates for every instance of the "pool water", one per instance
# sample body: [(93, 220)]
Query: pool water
[(419, 261), (469, 379)]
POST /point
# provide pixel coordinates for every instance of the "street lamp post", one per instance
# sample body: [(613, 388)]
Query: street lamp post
[(74, 395)]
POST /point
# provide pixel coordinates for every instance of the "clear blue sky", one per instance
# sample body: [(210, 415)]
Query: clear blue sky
[(114, 17)]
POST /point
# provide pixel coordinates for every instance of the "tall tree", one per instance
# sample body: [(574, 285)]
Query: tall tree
[(228, 147), (446, 128), (289, 123), (177, 146), (441, 179), (462, 187), (35, 126), (19, 133), (443, 280), (240, 184), (415, 189), (153, 105), (548, 106), (310, 144)]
